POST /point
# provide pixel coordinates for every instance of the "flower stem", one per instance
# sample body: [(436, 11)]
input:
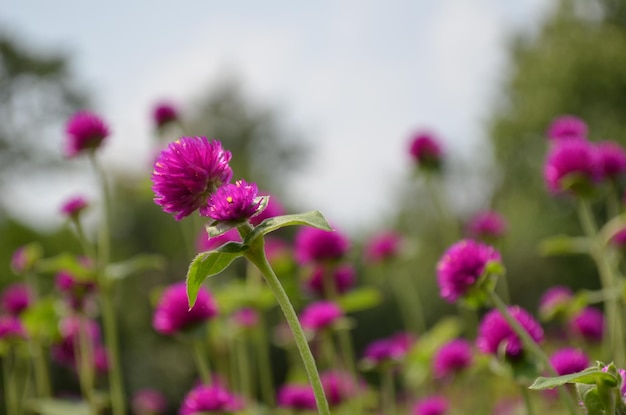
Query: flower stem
[(265, 365), (388, 391), (201, 361), (10, 383), (85, 362), (256, 255), (451, 231), (244, 368), (527, 400)]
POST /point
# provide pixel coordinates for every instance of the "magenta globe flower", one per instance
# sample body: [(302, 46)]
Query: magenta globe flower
[(208, 399), (494, 331), (487, 225), (233, 202), (569, 360), (338, 386), (452, 358), (571, 165), (426, 151), (296, 397), (16, 298), (320, 315), (149, 402), (172, 312), (74, 206), (566, 127), (342, 278), (389, 349), (187, 172), (85, 132), (612, 159), (588, 324), (461, 266), (163, 114), (316, 245), (432, 405), (11, 328), (383, 247), (554, 300), (246, 317)]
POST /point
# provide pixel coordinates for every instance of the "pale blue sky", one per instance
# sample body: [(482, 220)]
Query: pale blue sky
[(357, 76)]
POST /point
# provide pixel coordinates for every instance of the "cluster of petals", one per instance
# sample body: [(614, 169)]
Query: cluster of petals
[(187, 172), (567, 127), (461, 266), (16, 298), (164, 113), (487, 225), (588, 324), (73, 206), (431, 405), (206, 399), (611, 159), (314, 245), (393, 348), (569, 360), (11, 328), (553, 299), (383, 247), (571, 158), (494, 331), (232, 202), (149, 402), (172, 312), (296, 397), (320, 315), (452, 358), (85, 131), (425, 150), (342, 278)]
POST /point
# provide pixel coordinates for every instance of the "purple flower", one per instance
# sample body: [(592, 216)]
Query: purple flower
[(64, 352), (488, 225), (571, 165), (210, 399), (569, 360), (246, 317), (453, 357), (383, 247), (76, 291), (232, 202), (567, 126), (296, 397), (163, 114), (16, 298), (204, 243), (432, 405), (426, 151), (320, 315), (74, 206), (338, 387), (390, 349), (85, 131), (273, 209), (101, 359), (461, 266), (612, 159), (588, 323), (317, 245), (11, 328), (19, 260), (341, 277), (187, 172), (276, 249), (495, 331), (554, 300), (619, 239), (172, 312), (149, 402)]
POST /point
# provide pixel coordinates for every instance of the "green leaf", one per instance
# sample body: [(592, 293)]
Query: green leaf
[(59, 407), (564, 245), (360, 299), (66, 262), (590, 376), (41, 319), (592, 401), (313, 218), (134, 265), (236, 295), (209, 263), (217, 228)]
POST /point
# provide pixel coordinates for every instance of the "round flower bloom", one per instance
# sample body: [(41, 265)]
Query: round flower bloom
[(432, 405), (392, 348), (383, 247), (342, 277), (163, 114), (571, 159), (461, 266), (73, 206), (205, 399), (452, 358), (317, 245), (85, 131), (149, 402), (246, 317), (11, 328), (569, 360), (612, 159), (494, 331), (426, 151), (487, 225), (320, 315), (187, 172), (588, 324), (338, 387), (16, 298), (296, 397), (273, 209), (232, 202), (567, 126), (172, 312), (554, 300)]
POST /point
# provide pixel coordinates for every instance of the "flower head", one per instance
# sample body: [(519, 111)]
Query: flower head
[(320, 315), (452, 358), (296, 397), (164, 113), (554, 300), (426, 151), (11, 328), (487, 225), (273, 209), (571, 165), (19, 260), (149, 402), (341, 277), (461, 266), (85, 131), (569, 360), (187, 172), (383, 247), (246, 317), (612, 159), (588, 323), (232, 202), (172, 312), (567, 126), (16, 298), (494, 331), (205, 399), (317, 245), (393, 348), (432, 405), (75, 290), (74, 206), (338, 387)]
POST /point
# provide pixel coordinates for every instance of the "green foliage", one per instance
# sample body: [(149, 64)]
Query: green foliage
[(360, 299), (590, 376), (313, 218)]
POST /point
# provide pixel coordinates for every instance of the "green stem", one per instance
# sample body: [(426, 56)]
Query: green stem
[(85, 362), (40, 365), (527, 401), (256, 255), (451, 231), (10, 383), (265, 365), (244, 366), (388, 390), (201, 361)]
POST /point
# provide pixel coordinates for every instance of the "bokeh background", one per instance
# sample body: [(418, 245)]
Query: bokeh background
[(317, 101)]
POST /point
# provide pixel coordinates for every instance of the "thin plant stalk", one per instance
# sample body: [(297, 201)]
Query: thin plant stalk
[(527, 401), (441, 206), (388, 391), (86, 373), (10, 383), (244, 368), (202, 361), (265, 365)]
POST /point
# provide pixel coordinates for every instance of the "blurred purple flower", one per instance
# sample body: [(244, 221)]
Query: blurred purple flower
[(452, 358), (214, 398), (320, 315), (612, 159), (569, 360), (588, 323), (296, 397), (273, 209), (426, 151), (11, 328), (149, 402), (16, 298), (65, 352), (487, 225), (246, 317), (172, 312), (619, 239), (432, 405), (85, 131), (19, 260), (73, 206), (187, 172), (204, 243), (389, 349), (317, 245), (338, 387), (101, 359), (232, 202), (76, 291), (554, 299), (567, 126), (461, 266), (342, 277), (495, 331), (383, 247), (571, 159), (164, 113)]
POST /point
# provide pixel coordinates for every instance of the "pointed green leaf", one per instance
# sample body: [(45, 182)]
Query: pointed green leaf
[(41, 319), (210, 263), (590, 376), (135, 265), (217, 228), (360, 299), (313, 218), (564, 245)]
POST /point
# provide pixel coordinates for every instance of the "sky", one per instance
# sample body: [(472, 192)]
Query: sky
[(358, 77)]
